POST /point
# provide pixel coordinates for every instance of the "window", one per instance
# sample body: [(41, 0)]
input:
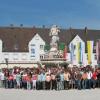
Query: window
[(41, 47), (32, 55), (95, 57), (32, 50), (41, 57), (32, 44)]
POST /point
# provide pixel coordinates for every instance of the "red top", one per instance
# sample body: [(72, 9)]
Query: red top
[(94, 75), (34, 77), (10, 77), (28, 78), (24, 78)]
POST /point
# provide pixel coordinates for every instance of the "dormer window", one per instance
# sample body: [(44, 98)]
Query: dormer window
[(41, 47), (16, 47), (37, 37)]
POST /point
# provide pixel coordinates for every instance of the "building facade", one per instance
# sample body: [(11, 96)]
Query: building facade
[(27, 45)]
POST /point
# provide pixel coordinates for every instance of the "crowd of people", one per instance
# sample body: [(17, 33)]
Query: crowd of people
[(50, 78)]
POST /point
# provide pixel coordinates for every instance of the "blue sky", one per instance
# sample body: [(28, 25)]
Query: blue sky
[(64, 13)]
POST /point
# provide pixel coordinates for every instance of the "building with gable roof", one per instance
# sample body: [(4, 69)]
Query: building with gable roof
[(16, 43)]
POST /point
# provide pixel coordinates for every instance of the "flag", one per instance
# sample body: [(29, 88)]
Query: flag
[(80, 51), (89, 51), (72, 52), (98, 51)]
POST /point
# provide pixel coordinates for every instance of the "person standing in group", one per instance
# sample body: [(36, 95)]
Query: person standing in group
[(84, 80), (89, 79), (6, 75), (43, 79), (10, 81), (66, 79), (98, 77), (29, 80), (14, 81), (1, 79), (62, 80), (78, 79), (58, 81), (94, 79), (39, 83), (24, 81), (53, 81), (34, 79), (48, 81), (18, 80)]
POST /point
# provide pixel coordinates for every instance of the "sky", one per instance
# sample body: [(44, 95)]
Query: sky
[(64, 13)]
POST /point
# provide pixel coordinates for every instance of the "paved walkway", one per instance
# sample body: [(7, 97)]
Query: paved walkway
[(13, 94)]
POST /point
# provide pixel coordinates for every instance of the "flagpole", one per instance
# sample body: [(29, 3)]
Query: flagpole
[(86, 50)]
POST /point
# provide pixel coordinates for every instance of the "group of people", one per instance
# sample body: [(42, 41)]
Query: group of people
[(50, 78)]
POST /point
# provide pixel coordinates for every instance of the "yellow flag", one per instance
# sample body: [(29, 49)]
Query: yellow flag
[(89, 51)]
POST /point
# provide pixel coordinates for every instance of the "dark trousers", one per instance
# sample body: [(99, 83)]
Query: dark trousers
[(6, 83), (98, 82), (89, 84), (66, 84), (10, 84), (48, 85), (38, 85), (78, 84), (24, 84), (53, 84), (94, 83), (15, 84), (84, 84), (43, 85)]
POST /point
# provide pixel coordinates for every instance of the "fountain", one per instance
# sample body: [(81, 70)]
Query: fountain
[(54, 41)]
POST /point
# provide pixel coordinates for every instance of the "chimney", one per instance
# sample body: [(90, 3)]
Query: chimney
[(86, 30), (11, 26), (43, 26), (21, 25)]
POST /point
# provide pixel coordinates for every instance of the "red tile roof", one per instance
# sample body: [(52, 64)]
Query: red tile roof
[(20, 36)]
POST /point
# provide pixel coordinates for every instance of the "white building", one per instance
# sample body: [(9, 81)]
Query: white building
[(84, 58), (36, 51), (30, 46)]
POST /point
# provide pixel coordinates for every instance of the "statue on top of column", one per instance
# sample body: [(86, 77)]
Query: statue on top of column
[(54, 37)]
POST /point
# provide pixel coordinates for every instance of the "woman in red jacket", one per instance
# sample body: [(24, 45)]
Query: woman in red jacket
[(10, 81), (94, 78)]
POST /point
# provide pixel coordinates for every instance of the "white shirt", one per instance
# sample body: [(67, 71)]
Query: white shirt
[(1, 76), (89, 75)]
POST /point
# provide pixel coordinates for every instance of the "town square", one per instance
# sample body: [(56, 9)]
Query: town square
[(49, 49)]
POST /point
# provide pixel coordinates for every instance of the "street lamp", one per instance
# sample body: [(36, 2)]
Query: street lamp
[(6, 61)]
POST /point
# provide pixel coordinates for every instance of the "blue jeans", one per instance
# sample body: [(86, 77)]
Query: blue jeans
[(78, 84), (28, 85), (89, 83), (84, 84), (94, 83)]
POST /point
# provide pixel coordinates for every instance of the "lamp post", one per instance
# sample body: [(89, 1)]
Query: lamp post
[(6, 61)]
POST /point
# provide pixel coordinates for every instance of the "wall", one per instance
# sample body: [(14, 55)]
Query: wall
[(36, 48)]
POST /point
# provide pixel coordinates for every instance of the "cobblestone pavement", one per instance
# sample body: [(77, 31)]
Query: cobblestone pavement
[(14, 94)]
